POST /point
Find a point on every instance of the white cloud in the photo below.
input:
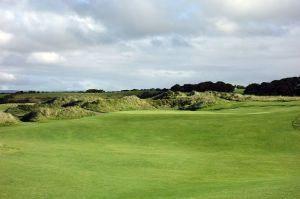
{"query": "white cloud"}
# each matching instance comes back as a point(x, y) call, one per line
point(150, 73)
point(45, 58)
point(85, 84)
point(87, 24)
point(5, 37)
point(6, 77)
point(226, 26)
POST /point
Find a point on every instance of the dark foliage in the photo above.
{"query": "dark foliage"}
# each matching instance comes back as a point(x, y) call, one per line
point(148, 94)
point(27, 117)
point(204, 86)
point(33, 92)
point(94, 91)
point(252, 89)
point(284, 87)
point(72, 103)
point(176, 87)
point(239, 86)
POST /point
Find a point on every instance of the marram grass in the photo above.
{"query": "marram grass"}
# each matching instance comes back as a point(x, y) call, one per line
point(7, 119)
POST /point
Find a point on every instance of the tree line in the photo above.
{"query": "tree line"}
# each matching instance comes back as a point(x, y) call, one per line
point(286, 87)
point(204, 86)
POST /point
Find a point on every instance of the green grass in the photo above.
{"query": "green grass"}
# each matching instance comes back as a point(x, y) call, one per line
point(241, 153)
point(3, 107)
point(2, 95)
point(239, 90)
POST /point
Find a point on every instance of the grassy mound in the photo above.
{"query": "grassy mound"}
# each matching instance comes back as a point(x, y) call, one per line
point(123, 104)
point(68, 101)
point(211, 99)
point(7, 119)
point(56, 108)
point(242, 98)
point(21, 110)
point(76, 106)
point(46, 113)
point(4, 107)
point(186, 101)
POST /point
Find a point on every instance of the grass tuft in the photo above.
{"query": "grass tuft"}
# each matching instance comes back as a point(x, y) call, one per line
point(7, 119)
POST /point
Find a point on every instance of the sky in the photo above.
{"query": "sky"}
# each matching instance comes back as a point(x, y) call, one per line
point(55, 45)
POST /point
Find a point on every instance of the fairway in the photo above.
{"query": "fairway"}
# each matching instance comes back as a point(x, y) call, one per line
point(240, 153)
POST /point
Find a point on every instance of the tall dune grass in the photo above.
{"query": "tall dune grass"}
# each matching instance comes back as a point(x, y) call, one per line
point(7, 119)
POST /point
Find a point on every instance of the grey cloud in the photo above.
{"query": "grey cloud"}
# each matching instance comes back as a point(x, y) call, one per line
point(121, 44)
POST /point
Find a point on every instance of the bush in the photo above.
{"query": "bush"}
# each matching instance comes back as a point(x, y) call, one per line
point(284, 87)
point(204, 86)
point(94, 91)
point(149, 94)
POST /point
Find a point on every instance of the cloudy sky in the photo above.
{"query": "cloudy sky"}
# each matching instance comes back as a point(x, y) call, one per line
point(122, 44)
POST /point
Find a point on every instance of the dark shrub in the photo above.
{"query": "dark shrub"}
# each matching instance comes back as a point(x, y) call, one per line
point(94, 91)
point(285, 87)
point(204, 86)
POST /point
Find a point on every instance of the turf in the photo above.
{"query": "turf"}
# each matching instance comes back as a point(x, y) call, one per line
point(242, 153)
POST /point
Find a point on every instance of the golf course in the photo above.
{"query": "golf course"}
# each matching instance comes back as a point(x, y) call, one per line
point(149, 99)
point(249, 150)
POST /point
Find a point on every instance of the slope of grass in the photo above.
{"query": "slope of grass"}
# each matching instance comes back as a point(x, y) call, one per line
point(240, 153)
point(122, 104)
point(7, 119)
point(239, 90)
point(44, 113)
point(3, 107)
point(3, 95)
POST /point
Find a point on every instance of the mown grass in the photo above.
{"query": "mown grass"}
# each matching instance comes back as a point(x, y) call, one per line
point(252, 104)
point(242, 153)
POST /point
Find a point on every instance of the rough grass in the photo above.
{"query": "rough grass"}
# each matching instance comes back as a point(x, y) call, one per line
point(186, 101)
point(3, 107)
point(296, 123)
point(45, 113)
point(73, 104)
point(43, 97)
point(7, 119)
point(20, 110)
point(242, 153)
point(122, 104)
